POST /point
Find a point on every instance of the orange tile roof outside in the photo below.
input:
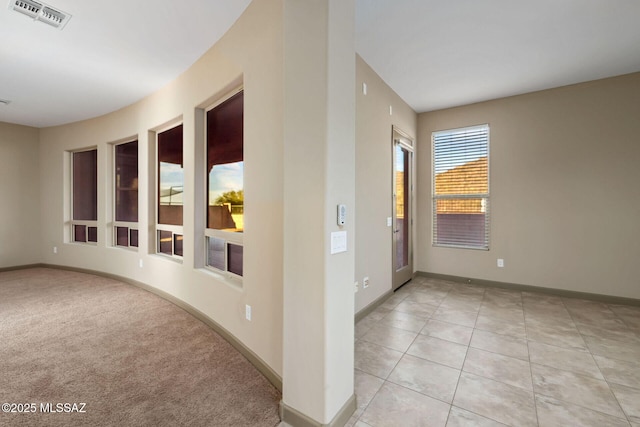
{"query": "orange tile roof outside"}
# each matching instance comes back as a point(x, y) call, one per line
point(469, 178)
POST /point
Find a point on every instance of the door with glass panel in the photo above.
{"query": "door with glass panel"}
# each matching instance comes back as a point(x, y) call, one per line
point(402, 221)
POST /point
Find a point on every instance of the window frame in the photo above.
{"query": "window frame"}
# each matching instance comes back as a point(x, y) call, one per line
point(175, 230)
point(129, 225)
point(87, 224)
point(484, 197)
point(229, 237)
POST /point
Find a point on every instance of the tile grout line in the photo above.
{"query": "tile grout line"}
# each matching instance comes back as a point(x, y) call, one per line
point(627, 416)
point(419, 287)
point(533, 386)
point(595, 361)
point(455, 391)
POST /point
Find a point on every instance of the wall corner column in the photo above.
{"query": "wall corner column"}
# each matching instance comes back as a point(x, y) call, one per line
point(319, 175)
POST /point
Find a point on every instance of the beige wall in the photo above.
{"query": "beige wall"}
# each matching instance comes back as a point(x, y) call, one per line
point(565, 189)
point(19, 196)
point(319, 155)
point(374, 179)
point(298, 155)
point(251, 54)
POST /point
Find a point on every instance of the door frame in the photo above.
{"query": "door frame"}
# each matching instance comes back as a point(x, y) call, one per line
point(404, 274)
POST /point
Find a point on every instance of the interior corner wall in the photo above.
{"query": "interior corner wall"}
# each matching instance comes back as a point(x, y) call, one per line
point(250, 53)
point(374, 178)
point(19, 195)
point(565, 193)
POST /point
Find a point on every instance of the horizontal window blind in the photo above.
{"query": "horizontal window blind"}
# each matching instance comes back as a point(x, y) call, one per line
point(461, 187)
point(84, 206)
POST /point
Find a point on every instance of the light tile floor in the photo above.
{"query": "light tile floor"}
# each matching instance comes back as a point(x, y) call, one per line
point(439, 353)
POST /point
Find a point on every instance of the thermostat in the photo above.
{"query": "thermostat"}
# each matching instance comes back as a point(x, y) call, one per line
point(342, 214)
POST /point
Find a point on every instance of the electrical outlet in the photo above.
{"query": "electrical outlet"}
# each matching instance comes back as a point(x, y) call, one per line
point(500, 262)
point(356, 287)
point(365, 283)
point(141, 263)
point(55, 249)
point(247, 312)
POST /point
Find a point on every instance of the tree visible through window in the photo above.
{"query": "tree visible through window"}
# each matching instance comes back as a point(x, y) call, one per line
point(170, 191)
point(461, 187)
point(225, 185)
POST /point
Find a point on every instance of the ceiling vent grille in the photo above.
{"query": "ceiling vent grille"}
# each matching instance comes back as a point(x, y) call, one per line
point(41, 12)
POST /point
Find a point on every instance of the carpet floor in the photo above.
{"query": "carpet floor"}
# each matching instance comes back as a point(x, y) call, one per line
point(130, 357)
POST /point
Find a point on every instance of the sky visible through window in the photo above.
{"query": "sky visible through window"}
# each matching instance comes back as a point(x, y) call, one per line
point(224, 178)
point(399, 159)
point(171, 183)
point(456, 148)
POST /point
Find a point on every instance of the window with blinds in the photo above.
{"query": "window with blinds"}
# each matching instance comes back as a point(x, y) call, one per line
point(170, 186)
point(84, 208)
point(125, 225)
point(461, 187)
point(224, 123)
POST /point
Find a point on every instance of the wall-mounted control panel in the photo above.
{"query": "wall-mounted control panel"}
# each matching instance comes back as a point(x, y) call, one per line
point(342, 214)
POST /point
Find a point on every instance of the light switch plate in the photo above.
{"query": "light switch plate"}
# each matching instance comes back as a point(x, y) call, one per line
point(338, 242)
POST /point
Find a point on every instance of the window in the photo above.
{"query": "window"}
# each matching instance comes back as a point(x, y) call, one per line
point(170, 192)
point(84, 184)
point(225, 185)
point(461, 187)
point(125, 227)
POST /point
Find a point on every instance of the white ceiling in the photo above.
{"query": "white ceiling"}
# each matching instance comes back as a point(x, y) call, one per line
point(433, 53)
point(443, 53)
point(110, 54)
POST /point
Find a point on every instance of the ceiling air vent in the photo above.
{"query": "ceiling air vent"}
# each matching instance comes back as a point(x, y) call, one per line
point(41, 12)
point(52, 16)
point(29, 8)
